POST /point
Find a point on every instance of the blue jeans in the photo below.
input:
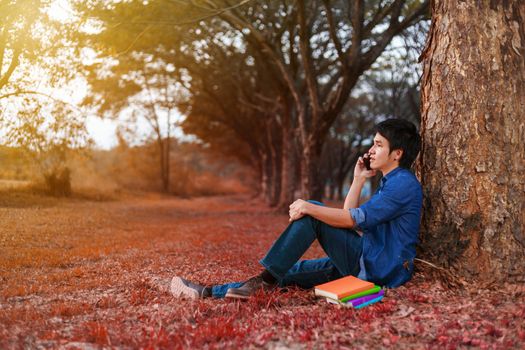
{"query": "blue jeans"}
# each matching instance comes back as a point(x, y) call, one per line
point(343, 247)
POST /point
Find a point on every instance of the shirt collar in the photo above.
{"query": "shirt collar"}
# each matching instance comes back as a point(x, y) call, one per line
point(390, 174)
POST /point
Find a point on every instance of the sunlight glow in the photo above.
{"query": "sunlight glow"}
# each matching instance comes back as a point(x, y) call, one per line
point(102, 131)
point(61, 10)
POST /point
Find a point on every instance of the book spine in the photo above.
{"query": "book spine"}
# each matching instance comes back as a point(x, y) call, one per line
point(366, 298)
point(374, 290)
point(370, 302)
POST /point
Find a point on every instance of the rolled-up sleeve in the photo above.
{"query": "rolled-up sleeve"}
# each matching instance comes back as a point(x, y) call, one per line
point(358, 215)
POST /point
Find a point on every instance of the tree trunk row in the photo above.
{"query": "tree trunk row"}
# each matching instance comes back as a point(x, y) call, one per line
point(285, 168)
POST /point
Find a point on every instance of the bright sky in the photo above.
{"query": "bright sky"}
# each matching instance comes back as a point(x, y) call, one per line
point(102, 132)
point(60, 10)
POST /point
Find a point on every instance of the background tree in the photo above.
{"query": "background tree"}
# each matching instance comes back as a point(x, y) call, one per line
point(224, 107)
point(312, 56)
point(137, 90)
point(332, 44)
point(472, 162)
point(229, 92)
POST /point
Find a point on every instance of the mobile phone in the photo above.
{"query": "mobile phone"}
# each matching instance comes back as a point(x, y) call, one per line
point(366, 160)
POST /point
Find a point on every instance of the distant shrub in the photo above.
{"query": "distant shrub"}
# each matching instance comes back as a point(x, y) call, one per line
point(59, 182)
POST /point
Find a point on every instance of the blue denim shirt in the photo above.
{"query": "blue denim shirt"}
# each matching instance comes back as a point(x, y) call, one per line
point(390, 225)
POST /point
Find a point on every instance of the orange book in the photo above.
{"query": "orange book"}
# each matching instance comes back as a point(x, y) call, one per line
point(342, 287)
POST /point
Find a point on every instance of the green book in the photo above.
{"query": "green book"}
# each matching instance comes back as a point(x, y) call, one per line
point(376, 289)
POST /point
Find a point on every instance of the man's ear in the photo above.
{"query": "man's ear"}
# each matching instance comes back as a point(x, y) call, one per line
point(398, 154)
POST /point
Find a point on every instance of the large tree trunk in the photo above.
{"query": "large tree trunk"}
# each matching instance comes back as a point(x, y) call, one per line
point(473, 158)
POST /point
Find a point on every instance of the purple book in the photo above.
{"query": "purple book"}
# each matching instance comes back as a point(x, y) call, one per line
point(358, 301)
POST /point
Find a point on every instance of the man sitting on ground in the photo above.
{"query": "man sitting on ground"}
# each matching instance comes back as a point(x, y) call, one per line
point(383, 254)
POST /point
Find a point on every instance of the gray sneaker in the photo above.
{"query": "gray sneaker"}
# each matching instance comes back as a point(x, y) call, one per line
point(181, 288)
point(250, 287)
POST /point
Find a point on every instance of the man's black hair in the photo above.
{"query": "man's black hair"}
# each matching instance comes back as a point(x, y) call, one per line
point(401, 134)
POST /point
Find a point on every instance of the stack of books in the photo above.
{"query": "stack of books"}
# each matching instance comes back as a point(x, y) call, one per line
point(350, 291)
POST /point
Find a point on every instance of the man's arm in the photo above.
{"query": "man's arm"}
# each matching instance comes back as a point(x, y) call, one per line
point(332, 216)
point(352, 198)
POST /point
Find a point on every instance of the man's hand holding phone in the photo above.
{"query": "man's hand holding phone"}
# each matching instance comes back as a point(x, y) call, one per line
point(362, 167)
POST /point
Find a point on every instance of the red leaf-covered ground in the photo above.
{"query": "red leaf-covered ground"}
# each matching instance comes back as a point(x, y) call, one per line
point(84, 274)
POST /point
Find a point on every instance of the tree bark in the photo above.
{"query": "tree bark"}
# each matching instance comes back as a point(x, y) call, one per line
point(264, 178)
point(167, 170)
point(276, 162)
point(473, 157)
point(163, 147)
point(288, 164)
point(268, 181)
point(311, 183)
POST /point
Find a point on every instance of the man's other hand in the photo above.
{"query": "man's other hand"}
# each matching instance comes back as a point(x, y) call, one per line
point(298, 209)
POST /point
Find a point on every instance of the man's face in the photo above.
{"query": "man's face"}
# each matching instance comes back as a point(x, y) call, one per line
point(380, 157)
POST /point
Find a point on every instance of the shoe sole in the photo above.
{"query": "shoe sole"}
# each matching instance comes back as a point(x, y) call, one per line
point(180, 290)
point(236, 296)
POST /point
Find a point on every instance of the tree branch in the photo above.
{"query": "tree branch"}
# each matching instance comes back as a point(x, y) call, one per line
point(333, 35)
point(394, 29)
point(15, 60)
point(357, 19)
point(265, 47)
point(306, 57)
point(32, 92)
point(378, 17)
point(2, 49)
